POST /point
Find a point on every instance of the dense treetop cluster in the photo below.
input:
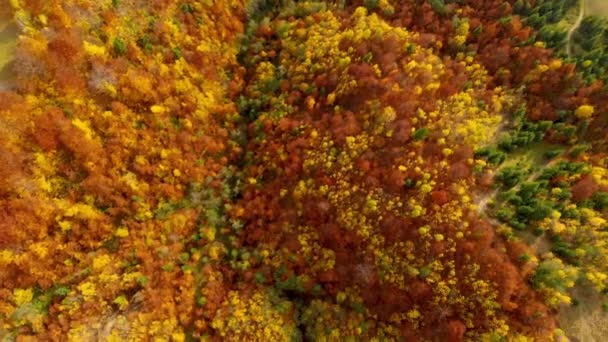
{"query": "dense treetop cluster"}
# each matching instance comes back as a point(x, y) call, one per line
point(301, 170)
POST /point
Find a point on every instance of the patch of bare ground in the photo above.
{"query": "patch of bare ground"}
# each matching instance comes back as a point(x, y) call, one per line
point(587, 321)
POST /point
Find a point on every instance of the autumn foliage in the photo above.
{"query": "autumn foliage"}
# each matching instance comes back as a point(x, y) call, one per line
point(277, 170)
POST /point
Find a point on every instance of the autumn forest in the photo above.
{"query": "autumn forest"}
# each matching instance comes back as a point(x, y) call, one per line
point(284, 170)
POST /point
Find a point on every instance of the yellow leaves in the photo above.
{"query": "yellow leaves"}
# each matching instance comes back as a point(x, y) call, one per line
point(39, 249)
point(45, 167)
point(447, 151)
point(331, 98)
point(413, 315)
point(158, 109)
point(300, 189)
point(314, 134)
point(463, 118)
point(555, 64)
point(23, 296)
point(84, 126)
point(141, 160)
point(558, 228)
point(417, 211)
point(178, 337)
point(130, 179)
point(600, 175)
point(553, 271)
point(87, 289)
point(121, 232)
point(65, 225)
point(94, 50)
point(216, 250)
point(584, 112)
point(426, 188)
point(593, 218)
point(371, 204)
point(542, 68)
point(310, 103)
point(360, 12)
point(121, 301)
point(100, 262)
point(598, 279)
point(389, 114)
point(183, 86)
point(251, 317)
point(209, 233)
point(6, 257)
point(340, 297)
point(556, 298)
point(463, 28)
point(82, 211)
point(45, 162)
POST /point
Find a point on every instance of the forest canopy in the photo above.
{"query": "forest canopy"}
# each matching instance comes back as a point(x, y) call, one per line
point(282, 170)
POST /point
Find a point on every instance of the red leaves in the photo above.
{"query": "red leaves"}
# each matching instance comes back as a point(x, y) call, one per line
point(328, 276)
point(420, 291)
point(459, 171)
point(440, 197)
point(344, 125)
point(397, 229)
point(584, 188)
point(454, 330)
point(394, 180)
point(290, 241)
point(331, 236)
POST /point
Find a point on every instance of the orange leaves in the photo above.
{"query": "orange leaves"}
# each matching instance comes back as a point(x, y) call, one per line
point(46, 131)
point(11, 170)
point(65, 48)
point(7, 227)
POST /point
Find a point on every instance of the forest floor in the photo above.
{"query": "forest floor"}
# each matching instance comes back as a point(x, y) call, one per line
point(586, 320)
point(597, 7)
point(8, 37)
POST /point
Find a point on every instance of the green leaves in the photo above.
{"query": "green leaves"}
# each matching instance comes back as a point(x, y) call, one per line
point(119, 46)
point(371, 4)
point(510, 176)
point(438, 6)
point(259, 278)
point(491, 154)
point(421, 134)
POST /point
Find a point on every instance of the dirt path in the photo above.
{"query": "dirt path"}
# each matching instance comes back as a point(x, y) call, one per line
point(581, 15)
